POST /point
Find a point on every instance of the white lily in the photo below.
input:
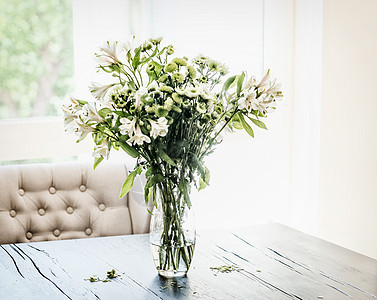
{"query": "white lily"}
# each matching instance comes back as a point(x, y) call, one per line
point(248, 100)
point(109, 54)
point(264, 82)
point(99, 91)
point(82, 129)
point(90, 113)
point(139, 95)
point(139, 138)
point(159, 128)
point(100, 150)
point(127, 127)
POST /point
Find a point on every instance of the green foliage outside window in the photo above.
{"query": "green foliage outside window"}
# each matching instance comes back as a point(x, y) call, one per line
point(36, 57)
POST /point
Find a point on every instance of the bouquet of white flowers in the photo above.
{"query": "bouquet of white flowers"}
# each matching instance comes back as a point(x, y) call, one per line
point(167, 112)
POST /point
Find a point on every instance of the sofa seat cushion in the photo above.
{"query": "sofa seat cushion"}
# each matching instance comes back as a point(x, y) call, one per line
point(41, 202)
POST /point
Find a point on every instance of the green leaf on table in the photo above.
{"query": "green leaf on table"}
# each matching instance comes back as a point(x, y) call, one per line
point(245, 125)
point(131, 151)
point(127, 185)
point(259, 123)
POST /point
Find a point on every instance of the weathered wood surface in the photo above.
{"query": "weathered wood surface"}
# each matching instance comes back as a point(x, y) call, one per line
point(276, 262)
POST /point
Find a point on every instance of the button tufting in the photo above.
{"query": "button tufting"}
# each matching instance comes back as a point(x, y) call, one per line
point(52, 190)
point(56, 232)
point(82, 188)
point(41, 211)
point(12, 213)
point(21, 192)
point(102, 207)
point(29, 235)
point(88, 231)
point(69, 210)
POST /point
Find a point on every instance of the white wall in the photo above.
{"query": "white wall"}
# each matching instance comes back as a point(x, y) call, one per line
point(348, 152)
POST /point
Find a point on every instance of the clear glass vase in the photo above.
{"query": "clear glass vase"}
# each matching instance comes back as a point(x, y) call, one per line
point(172, 232)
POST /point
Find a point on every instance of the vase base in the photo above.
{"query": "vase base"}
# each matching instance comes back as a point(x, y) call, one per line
point(171, 274)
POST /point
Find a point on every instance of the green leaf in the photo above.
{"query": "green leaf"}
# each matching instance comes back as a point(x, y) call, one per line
point(202, 184)
point(147, 194)
point(153, 74)
point(97, 161)
point(136, 60)
point(147, 59)
point(152, 181)
point(127, 185)
point(104, 112)
point(239, 83)
point(166, 157)
point(260, 124)
point(182, 185)
point(229, 82)
point(131, 151)
point(245, 125)
point(82, 102)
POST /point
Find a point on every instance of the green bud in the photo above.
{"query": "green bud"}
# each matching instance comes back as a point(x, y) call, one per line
point(206, 118)
point(177, 99)
point(168, 104)
point(161, 112)
point(186, 104)
point(121, 103)
point(179, 61)
point(150, 110)
point(178, 77)
point(163, 78)
point(170, 120)
point(191, 71)
point(176, 109)
point(170, 50)
point(171, 67)
point(166, 89)
point(201, 108)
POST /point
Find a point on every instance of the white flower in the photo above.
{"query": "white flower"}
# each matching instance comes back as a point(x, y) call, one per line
point(264, 82)
point(159, 128)
point(139, 95)
point(70, 113)
point(250, 83)
point(248, 100)
point(81, 129)
point(192, 92)
point(139, 138)
point(109, 54)
point(90, 114)
point(153, 86)
point(99, 91)
point(101, 150)
point(127, 127)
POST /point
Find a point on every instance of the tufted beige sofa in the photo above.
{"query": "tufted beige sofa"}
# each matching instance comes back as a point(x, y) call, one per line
point(40, 202)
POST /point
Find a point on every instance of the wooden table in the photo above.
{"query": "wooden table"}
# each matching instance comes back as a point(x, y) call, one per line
point(274, 262)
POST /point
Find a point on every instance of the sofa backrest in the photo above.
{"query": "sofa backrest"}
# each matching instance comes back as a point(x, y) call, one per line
point(40, 202)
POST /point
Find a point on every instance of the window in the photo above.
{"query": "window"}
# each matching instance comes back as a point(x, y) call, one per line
point(36, 57)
